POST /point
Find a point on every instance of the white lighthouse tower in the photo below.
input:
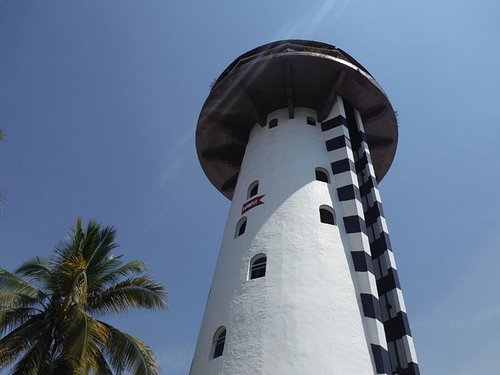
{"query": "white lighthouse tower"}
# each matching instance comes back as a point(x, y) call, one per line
point(298, 134)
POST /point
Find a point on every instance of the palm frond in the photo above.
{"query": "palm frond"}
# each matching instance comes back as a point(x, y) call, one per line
point(37, 360)
point(84, 338)
point(16, 292)
point(137, 292)
point(16, 316)
point(13, 299)
point(127, 353)
point(105, 266)
point(71, 244)
point(46, 309)
point(21, 339)
point(38, 269)
point(112, 271)
point(102, 366)
point(98, 244)
point(14, 283)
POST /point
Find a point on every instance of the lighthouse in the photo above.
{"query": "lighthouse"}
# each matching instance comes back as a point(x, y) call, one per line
point(298, 134)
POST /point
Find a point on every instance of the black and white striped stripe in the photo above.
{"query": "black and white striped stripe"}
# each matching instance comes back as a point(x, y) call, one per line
point(397, 330)
point(338, 143)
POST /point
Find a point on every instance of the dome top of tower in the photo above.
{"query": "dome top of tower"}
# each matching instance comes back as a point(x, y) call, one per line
point(288, 73)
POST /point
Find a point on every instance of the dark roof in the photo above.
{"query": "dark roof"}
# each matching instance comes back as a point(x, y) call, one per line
point(255, 84)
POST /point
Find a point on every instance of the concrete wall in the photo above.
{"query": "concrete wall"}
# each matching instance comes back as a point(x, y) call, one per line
point(303, 317)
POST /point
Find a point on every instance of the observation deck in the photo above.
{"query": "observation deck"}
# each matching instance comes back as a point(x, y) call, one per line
point(287, 74)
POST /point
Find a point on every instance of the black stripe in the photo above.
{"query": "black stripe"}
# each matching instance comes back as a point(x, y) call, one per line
point(337, 142)
point(381, 357)
point(362, 136)
point(348, 192)
point(412, 369)
point(366, 187)
point(343, 165)
point(372, 214)
point(397, 327)
point(371, 306)
point(362, 261)
point(388, 282)
point(352, 125)
point(361, 163)
point(354, 224)
point(333, 123)
point(380, 245)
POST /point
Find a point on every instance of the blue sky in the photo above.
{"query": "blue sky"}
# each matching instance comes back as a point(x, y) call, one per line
point(99, 101)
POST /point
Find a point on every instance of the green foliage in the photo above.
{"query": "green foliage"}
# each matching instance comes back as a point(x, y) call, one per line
point(48, 310)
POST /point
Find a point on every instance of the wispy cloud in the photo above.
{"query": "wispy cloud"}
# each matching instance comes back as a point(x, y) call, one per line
point(175, 157)
point(307, 26)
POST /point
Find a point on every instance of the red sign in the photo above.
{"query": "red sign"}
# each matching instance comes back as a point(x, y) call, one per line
point(254, 202)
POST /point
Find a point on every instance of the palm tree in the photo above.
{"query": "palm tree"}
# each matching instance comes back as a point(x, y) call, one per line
point(49, 309)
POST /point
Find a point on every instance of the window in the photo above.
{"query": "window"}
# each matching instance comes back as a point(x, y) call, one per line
point(258, 266)
point(218, 342)
point(311, 121)
point(322, 175)
point(253, 189)
point(273, 123)
point(241, 226)
point(327, 215)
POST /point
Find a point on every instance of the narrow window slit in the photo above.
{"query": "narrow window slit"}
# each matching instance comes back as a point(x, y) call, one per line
point(241, 226)
point(218, 342)
point(253, 189)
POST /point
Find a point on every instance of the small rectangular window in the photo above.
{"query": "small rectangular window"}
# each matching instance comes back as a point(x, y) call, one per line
point(326, 215)
point(321, 175)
